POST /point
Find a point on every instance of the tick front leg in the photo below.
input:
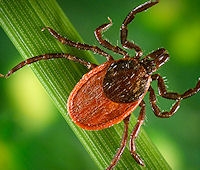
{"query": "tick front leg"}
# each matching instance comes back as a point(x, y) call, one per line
point(105, 43)
point(78, 45)
point(124, 30)
point(135, 132)
point(169, 95)
point(122, 146)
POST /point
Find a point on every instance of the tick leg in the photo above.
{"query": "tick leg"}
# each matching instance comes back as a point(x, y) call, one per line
point(124, 30)
point(169, 95)
point(47, 57)
point(105, 43)
point(122, 146)
point(156, 109)
point(135, 132)
point(78, 45)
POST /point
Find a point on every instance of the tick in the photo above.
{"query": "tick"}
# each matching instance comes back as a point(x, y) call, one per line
point(110, 92)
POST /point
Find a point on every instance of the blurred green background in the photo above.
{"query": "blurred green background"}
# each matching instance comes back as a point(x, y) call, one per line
point(33, 134)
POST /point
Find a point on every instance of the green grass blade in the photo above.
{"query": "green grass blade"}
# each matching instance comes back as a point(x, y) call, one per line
point(22, 21)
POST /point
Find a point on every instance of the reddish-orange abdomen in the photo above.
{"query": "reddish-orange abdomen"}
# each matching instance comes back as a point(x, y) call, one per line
point(88, 106)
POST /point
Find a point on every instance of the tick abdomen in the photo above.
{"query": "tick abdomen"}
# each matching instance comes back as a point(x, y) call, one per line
point(125, 81)
point(89, 107)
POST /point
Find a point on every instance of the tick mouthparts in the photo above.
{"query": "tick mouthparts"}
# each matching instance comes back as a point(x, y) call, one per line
point(161, 59)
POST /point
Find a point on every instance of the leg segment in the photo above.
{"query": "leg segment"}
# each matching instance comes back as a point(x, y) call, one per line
point(47, 57)
point(123, 144)
point(78, 45)
point(169, 95)
point(135, 132)
point(156, 109)
point(124, 30)
point(106, 44)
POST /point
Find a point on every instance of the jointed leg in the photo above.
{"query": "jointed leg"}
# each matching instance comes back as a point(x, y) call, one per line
point(123, 144)
point(135, 132)
point(78, 45)
point(106, 44)
point(169, 95)
point(47, 57)
point(124, 30)
point(156, 109)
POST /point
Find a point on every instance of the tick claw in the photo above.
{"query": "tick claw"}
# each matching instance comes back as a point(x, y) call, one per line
point(198, 85)
point(44, 28)
point(137, 158)
point(110, 20)
point(1, 75)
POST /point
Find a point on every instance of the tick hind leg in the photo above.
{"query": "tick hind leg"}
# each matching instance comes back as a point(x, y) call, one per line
point(169, 95)
point(48, 57)
point(122, 146)
point(133, 137)
point(135, 132)
point(124, 30)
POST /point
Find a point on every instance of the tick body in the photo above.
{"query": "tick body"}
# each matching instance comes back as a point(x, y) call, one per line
point(107, 93)
point(110, 92)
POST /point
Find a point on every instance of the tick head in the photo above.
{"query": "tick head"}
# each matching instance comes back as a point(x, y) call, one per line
point(155, 60)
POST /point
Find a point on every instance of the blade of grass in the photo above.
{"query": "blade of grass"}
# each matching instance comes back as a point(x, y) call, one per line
point(22, 21)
